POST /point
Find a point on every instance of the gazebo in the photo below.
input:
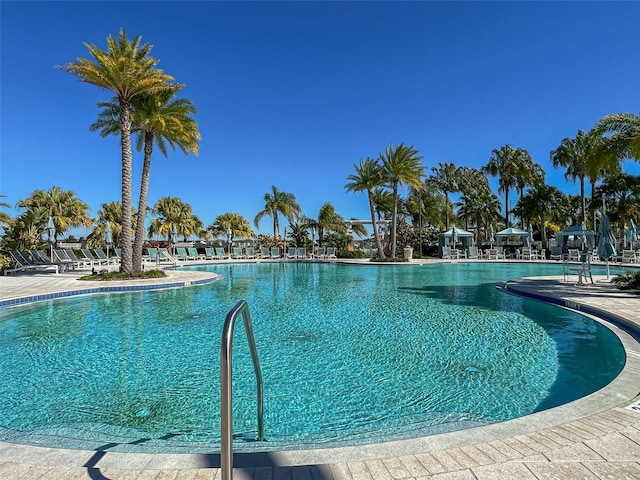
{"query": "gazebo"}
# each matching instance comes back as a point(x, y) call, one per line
point(580, 233)
point(503, 235)
point(453, 236)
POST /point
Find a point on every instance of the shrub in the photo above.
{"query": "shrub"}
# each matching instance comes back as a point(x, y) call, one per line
point(628, 282)
point(101, 277)
point(5, 261)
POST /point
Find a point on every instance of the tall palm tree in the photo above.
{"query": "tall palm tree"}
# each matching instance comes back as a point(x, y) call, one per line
point(66, 210)
point(110, 213)
point(528, 173)
point(446, 177)
point(368, 176)
point(540, 204)
point(329, 221)
point(625, 128)
point(575, 154)
point(278, 203)
point(504, 163)
point(127, 70)
point(156, 118)
point(401, 166)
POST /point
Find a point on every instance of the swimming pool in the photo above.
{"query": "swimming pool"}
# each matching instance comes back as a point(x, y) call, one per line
point(350, 354)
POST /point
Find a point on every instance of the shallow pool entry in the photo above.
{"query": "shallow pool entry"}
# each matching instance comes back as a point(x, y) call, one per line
point(349, 354)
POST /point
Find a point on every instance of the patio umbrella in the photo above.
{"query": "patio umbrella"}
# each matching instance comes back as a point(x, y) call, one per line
point(631, 234)
point(529, 238)
point(454, 236)
point(51, 231)
point(492, 238)
point(607, 242)
point(108, 237)
point(174, 239)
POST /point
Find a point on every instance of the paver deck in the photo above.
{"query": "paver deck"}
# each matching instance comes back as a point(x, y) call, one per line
point(597, 437)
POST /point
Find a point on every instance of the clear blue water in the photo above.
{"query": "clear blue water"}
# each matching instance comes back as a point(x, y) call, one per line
point(349, 355)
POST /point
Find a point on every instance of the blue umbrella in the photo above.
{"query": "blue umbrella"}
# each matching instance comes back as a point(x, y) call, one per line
point(607, 242)
point(108, 237)
point(631, 234)
point(51, 232)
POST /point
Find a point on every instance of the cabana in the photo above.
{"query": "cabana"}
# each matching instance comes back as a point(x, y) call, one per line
point(580, 233)
point(453, 236)
point(503, 235)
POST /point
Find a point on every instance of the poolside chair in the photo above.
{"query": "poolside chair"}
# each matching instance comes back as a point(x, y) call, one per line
point(103, 256)
point(574, 255)
point(165, 256)
point(628, 256)
point(24, 264)
point(527, 253)
point(331, 253)
point(193, 254)
point(495, 254)
point(92, 258)
point(81, 262)
point(301, 253)
point(556, 253)
point(472, 252)
point(249, 252)
point(320, 253)
point(152, 255)
point(181, 254)
point(221, 253)
point(63, 257)
point(275, 252)
point(209, 253)
point(264, 252)
point(446, 252)
point(118, 252)
point(237, 252)
point(291, 253)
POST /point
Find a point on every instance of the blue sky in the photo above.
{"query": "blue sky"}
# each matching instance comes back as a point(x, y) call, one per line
point(293, 94)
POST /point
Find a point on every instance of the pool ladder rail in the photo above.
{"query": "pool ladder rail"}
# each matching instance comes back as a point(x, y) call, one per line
point(226, 414)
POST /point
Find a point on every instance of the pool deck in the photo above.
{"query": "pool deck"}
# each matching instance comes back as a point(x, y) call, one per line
point(597, 437)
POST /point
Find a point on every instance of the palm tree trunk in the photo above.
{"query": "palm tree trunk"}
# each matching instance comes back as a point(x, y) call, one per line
point(394, 220)
point(506, 207)
point(375, 226)
point(138, 242)
point(126, 264)
point(584, 203)
point(446, 210)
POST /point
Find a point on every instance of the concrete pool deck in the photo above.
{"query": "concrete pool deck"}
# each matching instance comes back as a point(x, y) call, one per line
point(597, 437)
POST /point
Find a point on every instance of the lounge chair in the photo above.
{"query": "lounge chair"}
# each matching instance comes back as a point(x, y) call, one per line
point(446, 252)
point(209, 253)
point(24, 264)
point(103, 256)
point(249, 252)
point(88, 256)
point(63, 257)
point(291, 253)
point(264, 252)
point(81, 262)
point(331, 253)
point(301, 253)
point(528, 253)
point(495, 254)
point(193, 254)
point(556, 253)
point(181, 254)
point(152, 255)
point(221, 254)
point(628, 256)
point(320, 253)
point(237, 253)
point(574, 255)
point(39, 257)
point(472, 252)
point(275, 252)
point(165, 256)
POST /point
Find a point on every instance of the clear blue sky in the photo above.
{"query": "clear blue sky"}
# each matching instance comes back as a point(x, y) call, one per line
point(293, 94)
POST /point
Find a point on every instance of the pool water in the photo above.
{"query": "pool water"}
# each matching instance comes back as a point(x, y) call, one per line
point(349, 355)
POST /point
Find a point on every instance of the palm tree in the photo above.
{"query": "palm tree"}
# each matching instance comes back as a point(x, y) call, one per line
point(540, 204)
point(237, 223)
point(528, 173)
point(276, 203)
point(367, 178)
point(127, 70)
point(625, 128)
point(110, 213)
point(66, 210)
point(576, 154)
point(446, 177)
point(504, 163)
point(156, 118)
point(401, 166)
point(480, 206)
point(5, 217)
point(171, 212)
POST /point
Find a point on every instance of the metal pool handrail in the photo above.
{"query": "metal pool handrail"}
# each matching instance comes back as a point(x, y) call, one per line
point(226, 414)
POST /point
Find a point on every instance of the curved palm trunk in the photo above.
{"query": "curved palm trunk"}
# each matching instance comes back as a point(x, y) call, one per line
point(276, 227)
point(446, 210)
point(138, 242)
point(394, 221)
point(506, 207)
point(375, 225)
point(126, 264)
